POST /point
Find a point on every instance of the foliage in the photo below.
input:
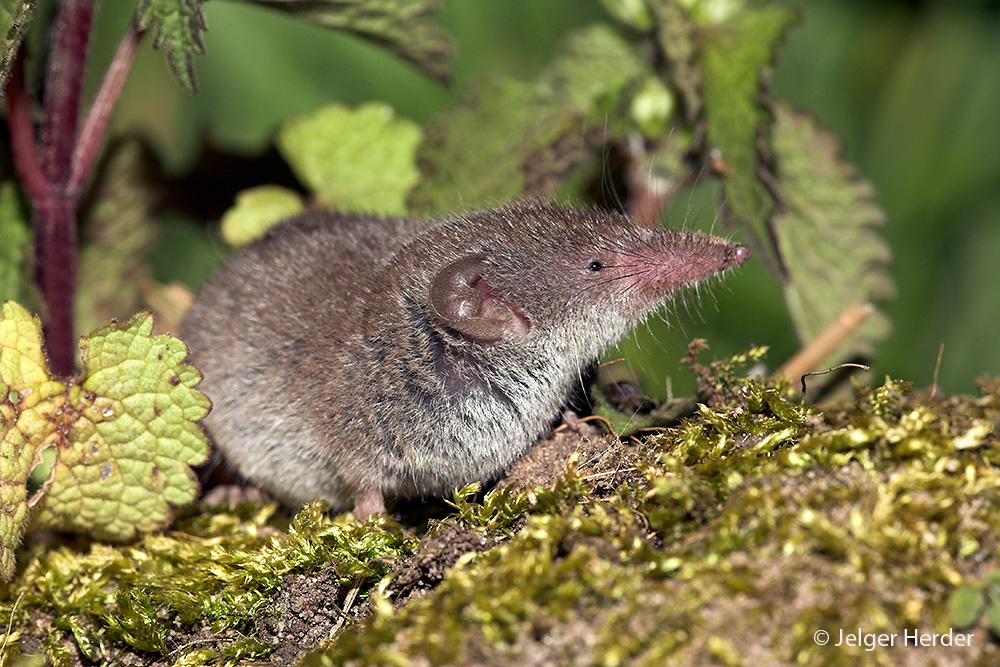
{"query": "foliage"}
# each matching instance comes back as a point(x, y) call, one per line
point(123, 433)
point(359, 160)
point(177, 27)
point(780, 179)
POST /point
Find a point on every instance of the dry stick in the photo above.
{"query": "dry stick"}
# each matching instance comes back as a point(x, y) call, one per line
point(848, 364)
point(348, 603)
point(826, 342)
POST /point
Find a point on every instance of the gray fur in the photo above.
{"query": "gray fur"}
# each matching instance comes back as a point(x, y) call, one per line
point(332, 376)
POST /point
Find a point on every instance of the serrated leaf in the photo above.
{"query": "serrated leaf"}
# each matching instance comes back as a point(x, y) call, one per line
point(15, 16)
point(15, 243)
point(123, 433)
point(474, 154)
point(401, 26)
point(26, 421)
point(825, 231)
point(356, 160)
point(733, 55)
point(132, 435)
point(965, 605)
point(593, 68)
point(256, 211)
point(177, 26)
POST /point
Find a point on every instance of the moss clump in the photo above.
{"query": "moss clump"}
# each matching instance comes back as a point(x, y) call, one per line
point(194, 595)
point(758, 523)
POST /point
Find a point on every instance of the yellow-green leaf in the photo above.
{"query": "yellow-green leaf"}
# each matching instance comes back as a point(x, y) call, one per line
point(256, 210)
point(131, 435)
point(360, 160)
point(123, 433)
point(29, 400)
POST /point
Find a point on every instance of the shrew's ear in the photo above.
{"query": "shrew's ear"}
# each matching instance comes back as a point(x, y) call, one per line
point(466, 303)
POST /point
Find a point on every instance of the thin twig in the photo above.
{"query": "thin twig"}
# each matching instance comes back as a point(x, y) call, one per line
point(848, 364)
point(348, 603)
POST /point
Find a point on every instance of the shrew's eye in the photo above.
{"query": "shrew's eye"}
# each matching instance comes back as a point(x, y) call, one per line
point(594, 266)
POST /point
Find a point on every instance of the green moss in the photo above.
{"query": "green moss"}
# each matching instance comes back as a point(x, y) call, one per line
point(757, 524)
point(214, 571)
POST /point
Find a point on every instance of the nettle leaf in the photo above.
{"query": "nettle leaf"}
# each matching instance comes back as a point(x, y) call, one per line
point(177, 26)
point(359, 160)
point(511, 138)
point(15, 243)
point(592, 70)
point(15, 16)
point(29, 401)
point(733, 55)
point(258, 209)
point(825, 231)
point(474, 154)
point(401, 26)
point(123, 434)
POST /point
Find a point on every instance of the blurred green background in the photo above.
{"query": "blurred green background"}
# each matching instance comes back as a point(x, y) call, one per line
point(913, 89)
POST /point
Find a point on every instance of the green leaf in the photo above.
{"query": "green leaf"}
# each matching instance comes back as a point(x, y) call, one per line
point(676, 37)
point(132, 435)
point(965, 605)
point(15, 243)
point(256, 210)
point(27, 421)
point(177, 26)
point(15, 16)
point(825, 232)
point(474, 155)
point(593, 69)
point(359, 160)
point(733, 56)
point(123, 433)
point(401, 26)
point(633, 13)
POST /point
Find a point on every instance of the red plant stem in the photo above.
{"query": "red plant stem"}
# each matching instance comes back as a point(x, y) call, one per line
point(22, 136)
point(55, 276)
point(99, 114)
point(63, 86)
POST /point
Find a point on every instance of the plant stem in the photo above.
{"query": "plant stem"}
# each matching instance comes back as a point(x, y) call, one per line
point(22, 136)
point(63, 85)
point(54, 173)
point(99, 114)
